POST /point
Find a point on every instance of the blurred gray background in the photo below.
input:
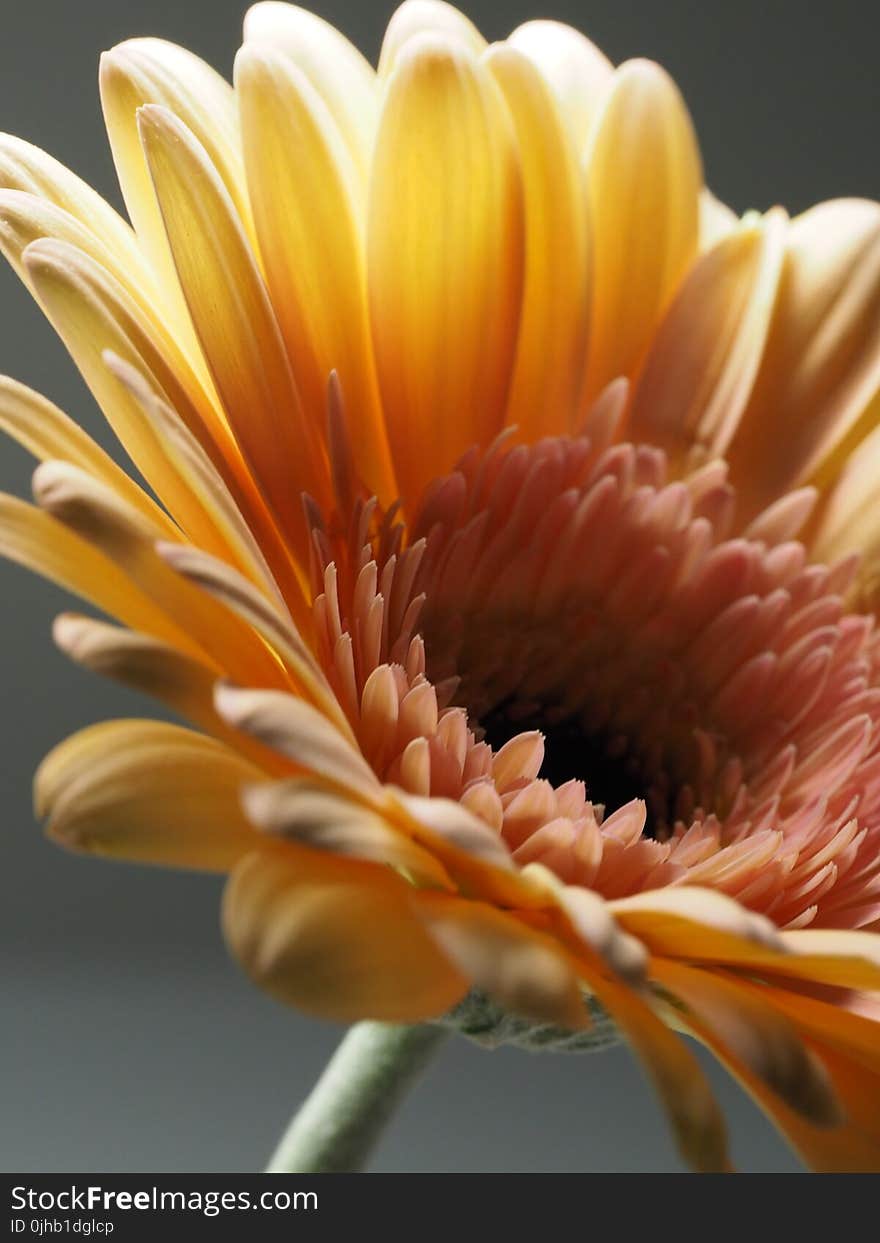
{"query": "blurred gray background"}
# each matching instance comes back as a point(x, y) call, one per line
point(129, 1041)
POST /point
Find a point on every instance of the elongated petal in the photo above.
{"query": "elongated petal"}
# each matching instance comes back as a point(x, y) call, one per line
point(643, 181)
point(303, 811)
point(336, 69)
point(41, 543)
point(552, 333)
point(154, 71)
point(233, 317)
point(94, 513)
point(302, 184)
point(717, 220)
point(174, 677)
point(148, 792)
point(48, 433)
point(336, 937)
point(426, 17)
point(756, 1037)
point(522, 970)
point(821, 366)
point(92, 314)
point(444, 249)
point(700, 369)
point(576, 71)
point(683, 1089)
point(238, 595)
point(299, 732)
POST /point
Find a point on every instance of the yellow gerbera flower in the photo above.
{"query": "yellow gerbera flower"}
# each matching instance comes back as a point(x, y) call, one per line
point(514, 552)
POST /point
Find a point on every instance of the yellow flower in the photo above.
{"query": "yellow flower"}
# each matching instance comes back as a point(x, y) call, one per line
point(514, 551)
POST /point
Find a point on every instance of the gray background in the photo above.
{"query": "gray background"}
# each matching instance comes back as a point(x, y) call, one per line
point(129, 1041)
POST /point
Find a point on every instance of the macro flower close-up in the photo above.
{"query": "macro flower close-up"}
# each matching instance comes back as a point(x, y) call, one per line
point(498, 534)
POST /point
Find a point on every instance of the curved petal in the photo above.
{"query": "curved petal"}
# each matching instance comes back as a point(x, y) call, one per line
point(444, 250)
point(643, 181)
point(426, 17)
point(48, 433)
point(700, 369)
point(552, 333)
point(821, 365)
point(301, 181)
point(147, 792)
point(336, 937)
point(234, 318)
point(336, 69)
point(575, 70)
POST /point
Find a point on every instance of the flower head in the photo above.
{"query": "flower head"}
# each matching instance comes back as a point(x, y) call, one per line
point(512, 553)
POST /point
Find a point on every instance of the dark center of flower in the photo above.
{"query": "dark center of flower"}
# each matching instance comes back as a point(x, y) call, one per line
point(610, 770)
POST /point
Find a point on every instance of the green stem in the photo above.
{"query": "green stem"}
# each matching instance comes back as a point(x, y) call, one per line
point(341, 1121)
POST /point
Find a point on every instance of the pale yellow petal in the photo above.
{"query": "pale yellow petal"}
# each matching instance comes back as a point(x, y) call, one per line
point(717, 220)
point(643, 182)
point(553, 328)
point(92, 314)
point(48, 433)
point(821, 366)
point(233, 318)
point(343, 78)
point(523, 970)
point(304, 811)
point(336, 937)
point(576, 71)
point(44, 545)
point(683, 1089)
point(310, 231)
point(101, 517)
point(700, 369)
point(149, 793)
point(426, 17)
point(444, 246)
point(154, 71)
point(181, 681)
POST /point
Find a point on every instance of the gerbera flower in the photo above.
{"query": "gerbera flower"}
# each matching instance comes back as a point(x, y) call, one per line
point(510, 546)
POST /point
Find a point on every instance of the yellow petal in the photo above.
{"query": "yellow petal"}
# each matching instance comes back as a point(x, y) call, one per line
point(576, 71)
point(700, 369)
point(821, 365)
point(523, 970)
point(278, 630)
point(302, 184)
point(26, 168)
point(40, 542)
point(426, 17)
point(147, 792)
point(233, 318)
point(717, 220)
point(154, 71)
point(92, 314)
point(756, 1036)
point(552, 332)
point(176, 678)
point(684, 1091)
point(336, 69)
point(643, 181)
point(444, 249)
point(99, 516)
point(304, 811)
point(47, 433)
point(336, 938)
point(301, 733)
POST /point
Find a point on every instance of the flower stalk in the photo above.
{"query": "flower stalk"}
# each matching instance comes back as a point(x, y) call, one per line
point(340, 1123)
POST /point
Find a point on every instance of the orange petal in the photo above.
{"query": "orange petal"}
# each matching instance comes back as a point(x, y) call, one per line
point(552, 332)
point(147, 792)
point(444, 258)
point(822, 361)
point(643, 181)
point(336, 938)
